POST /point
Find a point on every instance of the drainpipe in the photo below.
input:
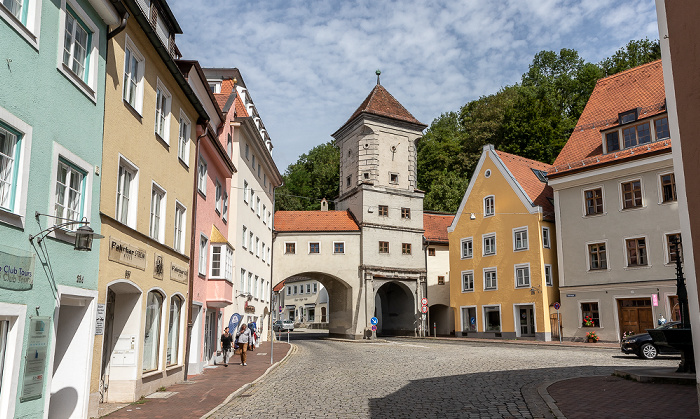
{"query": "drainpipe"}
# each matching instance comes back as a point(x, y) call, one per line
point(424, 285)
point(119, 28)
point(190, 287)
point(272, 280)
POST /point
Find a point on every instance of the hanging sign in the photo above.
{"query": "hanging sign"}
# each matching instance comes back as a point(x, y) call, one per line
point(655, 300)
point(35, 358)
point(233, 323)
point(16, 269)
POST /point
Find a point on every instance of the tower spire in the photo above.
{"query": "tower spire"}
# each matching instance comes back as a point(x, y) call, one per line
point(378, 72)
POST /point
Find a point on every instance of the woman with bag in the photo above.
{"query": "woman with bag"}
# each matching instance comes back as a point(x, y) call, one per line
point(243, 338)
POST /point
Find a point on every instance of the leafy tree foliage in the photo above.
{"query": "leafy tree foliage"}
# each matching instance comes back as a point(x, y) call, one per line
point(635, 53)
point(313, 177)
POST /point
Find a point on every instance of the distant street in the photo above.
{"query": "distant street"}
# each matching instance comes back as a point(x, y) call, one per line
point(412, 378)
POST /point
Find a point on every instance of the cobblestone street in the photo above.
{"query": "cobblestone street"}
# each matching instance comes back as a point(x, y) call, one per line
point(415, 378)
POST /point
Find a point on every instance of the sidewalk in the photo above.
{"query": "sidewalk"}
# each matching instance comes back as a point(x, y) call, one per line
point(597, 345)
point(206, 391)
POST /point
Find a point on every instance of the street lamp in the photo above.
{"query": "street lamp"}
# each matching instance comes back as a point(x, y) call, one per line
point(83, 234)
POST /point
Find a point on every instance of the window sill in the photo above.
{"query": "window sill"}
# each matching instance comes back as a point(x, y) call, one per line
point(10, 218)
point(341, 254)
point(636, 267)
point(467, 291)
point(488, 254)
point(80, 84)
point(150, 373)
point(173, 367)
point(523, 287)
point(183, 162)
point(669, 202)
point(641, 207)
point(490, 289)
point(595, 271)
point(18, 26)
point(602, 214)
point(163, 140)
point(521, 250)
point(133, 110)
point(464, 257)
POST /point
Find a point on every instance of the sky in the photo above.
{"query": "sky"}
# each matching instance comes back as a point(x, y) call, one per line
point(309, 64)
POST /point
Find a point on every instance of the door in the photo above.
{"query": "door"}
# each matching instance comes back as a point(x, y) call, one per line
point(210, 335)
point(527, 321)
point(635, 315)
point(107, 343)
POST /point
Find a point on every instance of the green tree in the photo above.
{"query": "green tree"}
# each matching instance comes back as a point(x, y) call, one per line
point(635, 53)
point(313, 177)
point(446, 192)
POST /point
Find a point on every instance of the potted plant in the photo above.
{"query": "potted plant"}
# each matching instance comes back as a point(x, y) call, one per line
point(588, 321)
point(592, 337)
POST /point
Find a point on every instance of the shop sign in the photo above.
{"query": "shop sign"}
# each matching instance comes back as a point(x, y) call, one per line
point(126, 254)
point(100, 319)
point(16, 269)
point(35, 358)
point(158, 266)
point(178, 273)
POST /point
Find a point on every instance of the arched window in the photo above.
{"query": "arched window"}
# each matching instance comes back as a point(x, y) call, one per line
point(172, 354)
point(229, 147)
point(151, 341)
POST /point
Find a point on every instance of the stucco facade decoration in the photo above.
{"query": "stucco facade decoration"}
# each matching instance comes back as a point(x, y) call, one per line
point(249, 146)
point(152, 120)
point(617, 209)
point(51, 158)
point(436, 249)
point(303, 301)
point(378, 192)
point(503, 258)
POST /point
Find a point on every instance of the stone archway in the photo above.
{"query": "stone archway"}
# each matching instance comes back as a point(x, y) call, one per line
point(441, 320)
point(395, 307)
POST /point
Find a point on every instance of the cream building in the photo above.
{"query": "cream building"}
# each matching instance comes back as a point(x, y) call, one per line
point(303, 301)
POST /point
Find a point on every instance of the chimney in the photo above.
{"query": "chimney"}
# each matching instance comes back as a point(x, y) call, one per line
point(324, 205)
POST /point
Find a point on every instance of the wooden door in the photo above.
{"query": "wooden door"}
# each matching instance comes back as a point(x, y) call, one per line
point(635, 315)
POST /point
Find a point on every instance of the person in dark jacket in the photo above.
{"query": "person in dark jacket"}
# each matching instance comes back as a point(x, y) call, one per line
point(226, 341)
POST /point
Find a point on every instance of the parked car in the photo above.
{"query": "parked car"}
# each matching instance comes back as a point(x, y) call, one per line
point(643, 346)
point(282, 325)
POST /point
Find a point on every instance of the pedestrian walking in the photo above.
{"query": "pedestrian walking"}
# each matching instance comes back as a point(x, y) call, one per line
point(226, 341)
point(244, 338)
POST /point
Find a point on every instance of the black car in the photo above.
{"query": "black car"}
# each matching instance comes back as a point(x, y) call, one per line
point(643, 346)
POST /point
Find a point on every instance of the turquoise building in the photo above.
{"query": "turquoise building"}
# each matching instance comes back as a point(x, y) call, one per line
point(52, 82)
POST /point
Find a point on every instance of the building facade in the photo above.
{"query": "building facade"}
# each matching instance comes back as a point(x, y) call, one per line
point(617, 210)
point(51, 125)
point(152, 115)
point(503, 256)
point(440, 319)
point(303, 301)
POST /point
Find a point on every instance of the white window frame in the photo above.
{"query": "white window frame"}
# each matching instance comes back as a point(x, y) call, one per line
point(483, 244)
point(252, 199)
point(461, 317)
point(309, 247)
point(289, 290)
point(264, 214)
point(664, 240)
point(180, 331)
point(315, 288)
point(250, 242)
point(490, 269)
point(242, 281)
point(133, 192)
point(464, 273)
point(621, 197)
point(155, 187)
point(224, 204)
point(202, 176)
point(647, 247)
point(518, 267)
point(62, 153)
point(179, 246)
point(87, 85)
point(257, 206)
point(584, 214)
point(16, 314)
point(245, 191)
point(203, 253)
point(29, 26)
point(661, 188)
point(548, 275)
point(500, 318)
point(217, 196)
point(486, 206)
point(15, 214)
point(337, 253)
point(257, 246)
point(262, 245)
point(225, 261)
point(461, 248)
point(161, 337)
point(184, 139)
point(546, 238)
point(244, 242)
point(268, 255)
point(607, 255)
point(140, 69)
point(166, 112)
point(520, 230)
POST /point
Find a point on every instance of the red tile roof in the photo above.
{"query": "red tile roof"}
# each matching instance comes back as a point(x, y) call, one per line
point(292, 221)
point(226, 87)
point(381, 102)
point(435, 226)
point(278, 287)
point(522, 170)
point(640, 87)
point(221, 99)
point(241, 111)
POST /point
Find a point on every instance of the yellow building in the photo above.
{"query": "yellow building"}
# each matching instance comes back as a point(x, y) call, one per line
point(146, 206)
point(503, 280)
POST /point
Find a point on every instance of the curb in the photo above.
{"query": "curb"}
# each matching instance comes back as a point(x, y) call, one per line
point(292, 350)
point(509, 342)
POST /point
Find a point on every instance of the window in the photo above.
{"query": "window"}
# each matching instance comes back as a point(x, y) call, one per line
point(162, 31)
point(467, 281)
point(545, 238)
point(295, 290)
point(289, 290)
point(338, 248)
point(224, 204)
point(631, 194)
point(308, 288)
point(594, 201)
point(221, 261)
point(257, 246)
point(249, 290)
point(162, 125)
point(10, 146)
point(406, 213)
point(252, 199)
point(203, 241)
point(431, 251)
point(467, 248)
point(179, 241)
point(522, 276)
point(489, 244)
point(256, 287)
point(492, 317)
point(315, 287)
point(520, 239)
point(636, 252)
point(216, 259)
point(245, 237)
point(76, 45)
point(202, 176)
point(613, 141)
point(151, 341)
point(183, 148)
point(489, 206)
point(490, 279)
point(589, 315)
point(172, 355)
point(597, 256)
point(250, 242)
point(242, 284)
point(314, 247)
point(668, 187)
point(253, 165)
point(214, 86)
point(247, 152)
point(258, 170)
point(264, 212)
point(126, 197)
point(134, 64)
point(627, 117)
point(383, 247)
point(229, 147)
point(290, 248)
point(548, 280)
point(636, 135)
point(4, 329)
point(394, 178)
point(672, 247)
point(405, 248)
point(157, 204)
point(217, 194)
point(23, 16)
point(383, 210)
point(257, 206)
point(262, 245)
point(662, 131)
point(70, 190)
point(245, 191)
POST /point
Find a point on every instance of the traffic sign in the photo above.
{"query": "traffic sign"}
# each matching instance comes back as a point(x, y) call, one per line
point(374, 321)
point(424, 301)
point(557, 306)
point(424, 309)
point(280, 309)
point(374, 328)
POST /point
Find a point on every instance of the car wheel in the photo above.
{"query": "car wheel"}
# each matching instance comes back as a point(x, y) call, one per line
point(648, 351)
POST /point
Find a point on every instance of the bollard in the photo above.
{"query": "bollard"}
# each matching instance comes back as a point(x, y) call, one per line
point(287, 335)
point(435, 329)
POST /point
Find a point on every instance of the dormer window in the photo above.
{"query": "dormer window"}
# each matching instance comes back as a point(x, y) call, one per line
point(633, 135)
point(627, 117)
point(636, 135)
point(215, 86)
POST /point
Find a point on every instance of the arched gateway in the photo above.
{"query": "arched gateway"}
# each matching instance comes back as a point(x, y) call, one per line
point(368, 253)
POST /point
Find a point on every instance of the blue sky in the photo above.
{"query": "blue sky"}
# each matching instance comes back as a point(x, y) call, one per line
point(309, 64)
